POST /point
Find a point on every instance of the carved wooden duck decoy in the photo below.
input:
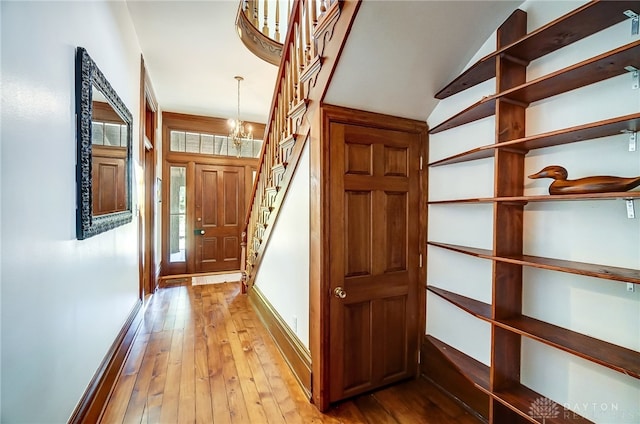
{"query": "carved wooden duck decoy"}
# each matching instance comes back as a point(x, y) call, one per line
point(595, 184)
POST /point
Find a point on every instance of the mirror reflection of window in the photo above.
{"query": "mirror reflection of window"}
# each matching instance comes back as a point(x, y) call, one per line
point(109, 156)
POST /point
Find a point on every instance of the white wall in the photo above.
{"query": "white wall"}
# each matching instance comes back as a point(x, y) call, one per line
point(63, 300)
point(283, 275)
point(589, 231)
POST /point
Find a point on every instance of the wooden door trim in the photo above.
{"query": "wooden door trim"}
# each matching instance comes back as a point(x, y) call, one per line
point(203, 124)
point(147, 268)
point(319, 272)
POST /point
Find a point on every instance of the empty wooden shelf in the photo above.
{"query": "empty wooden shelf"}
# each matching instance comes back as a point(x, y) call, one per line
point(623, 275)
point(575, 25)
point(590, 71)
point(590, 131)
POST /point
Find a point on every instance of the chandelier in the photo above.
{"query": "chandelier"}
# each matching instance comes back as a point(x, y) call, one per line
point(238, 134)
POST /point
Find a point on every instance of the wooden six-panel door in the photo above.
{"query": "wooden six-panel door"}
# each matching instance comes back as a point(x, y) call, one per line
point(374, 257)
point(218, 217)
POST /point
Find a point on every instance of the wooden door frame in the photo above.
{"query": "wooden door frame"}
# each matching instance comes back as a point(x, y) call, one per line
point(319, 261)
point(201, 124)
point(148, 129)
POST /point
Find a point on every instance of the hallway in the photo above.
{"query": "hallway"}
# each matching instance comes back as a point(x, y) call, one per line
point(202, 355)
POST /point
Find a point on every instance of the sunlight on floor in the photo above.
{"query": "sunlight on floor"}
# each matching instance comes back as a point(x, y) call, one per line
point(227, 277)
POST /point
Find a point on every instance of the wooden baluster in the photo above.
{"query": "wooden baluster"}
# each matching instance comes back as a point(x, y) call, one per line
point(243, 260)
point(296, 64)
point(274, 132)
point(276, 34)
point(287, 87)
point(323, 7)
point(276, 143)
point(305, 17)
point(265, 27)
point(314, 23)
point(280, 120)
point(271, 157)
point(267, 161)
point(278, 117)
point(289, 98)
point(282, 114)
point(255, 19)
point(276, 123)
point(314, 13)
point(300, 52)
point(283, 99)
point(258, 196)
point(294, 71)
point(272, 152)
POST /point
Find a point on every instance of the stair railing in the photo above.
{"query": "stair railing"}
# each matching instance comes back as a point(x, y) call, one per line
point(259, 22)
point(310, 21)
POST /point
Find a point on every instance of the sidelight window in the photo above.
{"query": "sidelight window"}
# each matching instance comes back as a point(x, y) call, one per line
point(178, 214)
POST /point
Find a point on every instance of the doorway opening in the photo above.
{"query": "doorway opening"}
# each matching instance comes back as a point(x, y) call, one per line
point(207, 189)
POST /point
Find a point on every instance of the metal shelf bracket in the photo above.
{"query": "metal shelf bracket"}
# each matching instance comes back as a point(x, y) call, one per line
point(631, 213)
point(635, 21)
point(635, 76)
point(633, 139)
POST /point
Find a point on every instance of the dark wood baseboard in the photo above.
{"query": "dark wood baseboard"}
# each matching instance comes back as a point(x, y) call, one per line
point(92, 403)
point(295, 353)
point(435, 367)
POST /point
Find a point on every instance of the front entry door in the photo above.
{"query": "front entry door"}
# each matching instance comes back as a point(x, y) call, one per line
point(218, 217)
point(374, 257)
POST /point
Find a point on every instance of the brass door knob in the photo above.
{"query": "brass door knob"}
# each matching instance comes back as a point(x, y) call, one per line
point(339, 293)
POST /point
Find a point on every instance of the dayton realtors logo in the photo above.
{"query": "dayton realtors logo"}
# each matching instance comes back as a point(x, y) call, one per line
point(544, 408)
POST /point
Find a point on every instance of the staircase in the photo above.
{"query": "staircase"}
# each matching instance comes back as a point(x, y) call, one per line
point(316, 34)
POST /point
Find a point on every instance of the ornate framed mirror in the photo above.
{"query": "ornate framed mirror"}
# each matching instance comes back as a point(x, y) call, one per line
point(103, 161)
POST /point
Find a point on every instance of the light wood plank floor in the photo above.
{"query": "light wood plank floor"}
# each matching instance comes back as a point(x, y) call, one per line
point(203, 356)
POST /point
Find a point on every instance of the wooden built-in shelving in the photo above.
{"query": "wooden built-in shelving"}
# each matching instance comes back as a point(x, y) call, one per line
point(508, 399)
point(518, 398)
point(590, 131)
point(616, 357)
point(474, 307)
point(626, 275)
point(578, 24)
point(590, 71)
point(475, 371)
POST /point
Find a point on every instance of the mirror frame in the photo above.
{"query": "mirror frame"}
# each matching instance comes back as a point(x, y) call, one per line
point(89, 75)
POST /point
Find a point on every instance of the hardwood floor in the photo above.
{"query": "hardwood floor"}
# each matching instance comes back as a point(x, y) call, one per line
point(203, 356)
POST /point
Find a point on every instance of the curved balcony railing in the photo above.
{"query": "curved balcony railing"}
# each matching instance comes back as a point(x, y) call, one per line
point(261, 24)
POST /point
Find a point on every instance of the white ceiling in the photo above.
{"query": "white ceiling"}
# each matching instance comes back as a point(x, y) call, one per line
point(398, 55)
point(192, 52)
point(401, 53)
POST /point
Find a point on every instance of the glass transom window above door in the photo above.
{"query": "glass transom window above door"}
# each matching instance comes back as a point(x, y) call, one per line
point(211, 144)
